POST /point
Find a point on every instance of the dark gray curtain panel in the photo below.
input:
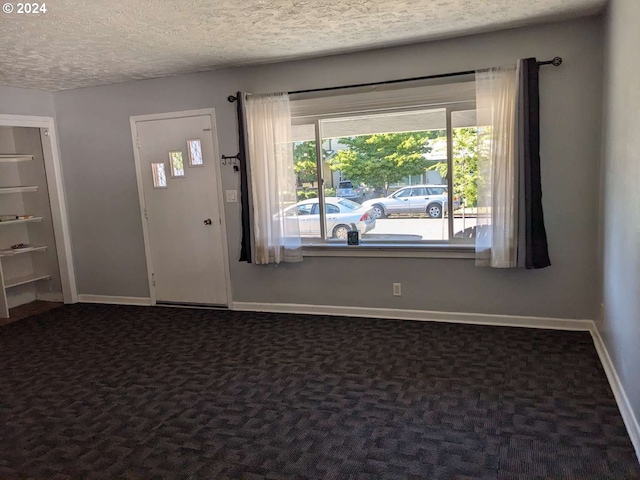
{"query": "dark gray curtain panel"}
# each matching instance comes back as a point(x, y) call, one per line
point(245, 250)
point(533, 250)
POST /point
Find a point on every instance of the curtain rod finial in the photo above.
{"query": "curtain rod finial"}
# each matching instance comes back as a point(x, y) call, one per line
point(556, 62)
point(232, 99)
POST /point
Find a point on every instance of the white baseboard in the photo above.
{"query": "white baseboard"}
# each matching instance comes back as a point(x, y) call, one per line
point(421, 315)
point(114, 300)
point(629, 418)
point(50, 297)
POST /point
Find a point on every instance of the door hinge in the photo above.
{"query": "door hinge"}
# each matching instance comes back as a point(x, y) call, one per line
point(153, 279)
point(137, 141)
point(220, 220)
point(145, 214)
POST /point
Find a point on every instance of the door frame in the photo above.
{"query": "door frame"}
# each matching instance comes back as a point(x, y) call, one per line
point(218, 171)
point(57, 198)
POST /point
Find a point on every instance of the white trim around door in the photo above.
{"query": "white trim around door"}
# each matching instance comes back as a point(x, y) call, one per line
point(218, 170)
point(57, 198)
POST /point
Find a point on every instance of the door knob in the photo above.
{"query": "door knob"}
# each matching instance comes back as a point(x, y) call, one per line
point(207, 221)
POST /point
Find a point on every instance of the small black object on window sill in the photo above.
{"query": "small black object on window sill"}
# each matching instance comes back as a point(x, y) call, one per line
point(353, 238)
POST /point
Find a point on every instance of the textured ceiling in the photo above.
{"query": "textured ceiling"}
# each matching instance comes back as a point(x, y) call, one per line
point(94, 42)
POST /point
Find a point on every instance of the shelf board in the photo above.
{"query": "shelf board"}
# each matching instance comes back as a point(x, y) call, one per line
point(12, 158)
point(20, 251)
point(18, 189)
point(24, 220)
point(15, 282)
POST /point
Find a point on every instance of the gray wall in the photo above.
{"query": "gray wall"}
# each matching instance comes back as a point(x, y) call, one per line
point(620, 327)
point(20, 101)
point(99, 172)
point(105, 221)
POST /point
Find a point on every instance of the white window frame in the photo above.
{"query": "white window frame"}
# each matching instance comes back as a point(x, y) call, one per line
point(314, 111)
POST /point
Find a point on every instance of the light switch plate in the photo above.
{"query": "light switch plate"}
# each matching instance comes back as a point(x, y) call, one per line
point(232, 195)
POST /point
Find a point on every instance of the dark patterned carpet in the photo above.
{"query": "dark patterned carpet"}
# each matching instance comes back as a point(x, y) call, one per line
point(92, 391)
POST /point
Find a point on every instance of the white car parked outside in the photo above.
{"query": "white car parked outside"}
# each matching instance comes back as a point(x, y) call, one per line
point(429, 199)
point(343, 215)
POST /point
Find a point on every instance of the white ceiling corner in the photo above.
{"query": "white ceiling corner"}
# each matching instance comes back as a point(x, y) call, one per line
point(95, 42)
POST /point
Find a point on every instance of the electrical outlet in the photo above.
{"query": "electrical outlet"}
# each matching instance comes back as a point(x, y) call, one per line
point(397, 289)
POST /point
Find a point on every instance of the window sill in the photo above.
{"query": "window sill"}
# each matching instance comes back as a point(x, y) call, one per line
point(396, 251)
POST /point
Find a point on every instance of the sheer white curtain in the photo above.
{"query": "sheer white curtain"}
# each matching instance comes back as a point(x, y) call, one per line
point(276, 234)
point(497, 228)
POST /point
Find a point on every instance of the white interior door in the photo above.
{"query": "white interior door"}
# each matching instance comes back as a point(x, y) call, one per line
point(182, 209)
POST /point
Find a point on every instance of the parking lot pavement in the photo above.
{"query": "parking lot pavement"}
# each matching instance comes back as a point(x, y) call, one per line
point(416, 228)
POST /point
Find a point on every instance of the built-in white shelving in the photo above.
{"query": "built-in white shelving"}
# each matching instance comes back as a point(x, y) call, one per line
point(32, 272)
point(16, 282)
point(28, 189)
point(22, 267)
point(15, 158)
point(20, 251)
point(22, 220)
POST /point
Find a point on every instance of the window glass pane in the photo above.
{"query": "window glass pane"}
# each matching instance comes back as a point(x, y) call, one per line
point(305, 209)
point(195, 152)
point(330, 208)
point(159, 175)
point(367, 158)
point(305, 168)
point(405, 192)
point(465, 174)
point(349, 204)
point(177, 164)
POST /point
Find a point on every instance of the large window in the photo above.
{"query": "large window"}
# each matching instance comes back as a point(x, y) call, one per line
point(403, 175)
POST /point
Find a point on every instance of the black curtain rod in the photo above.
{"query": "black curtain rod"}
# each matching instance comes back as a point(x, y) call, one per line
point(555, 62)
